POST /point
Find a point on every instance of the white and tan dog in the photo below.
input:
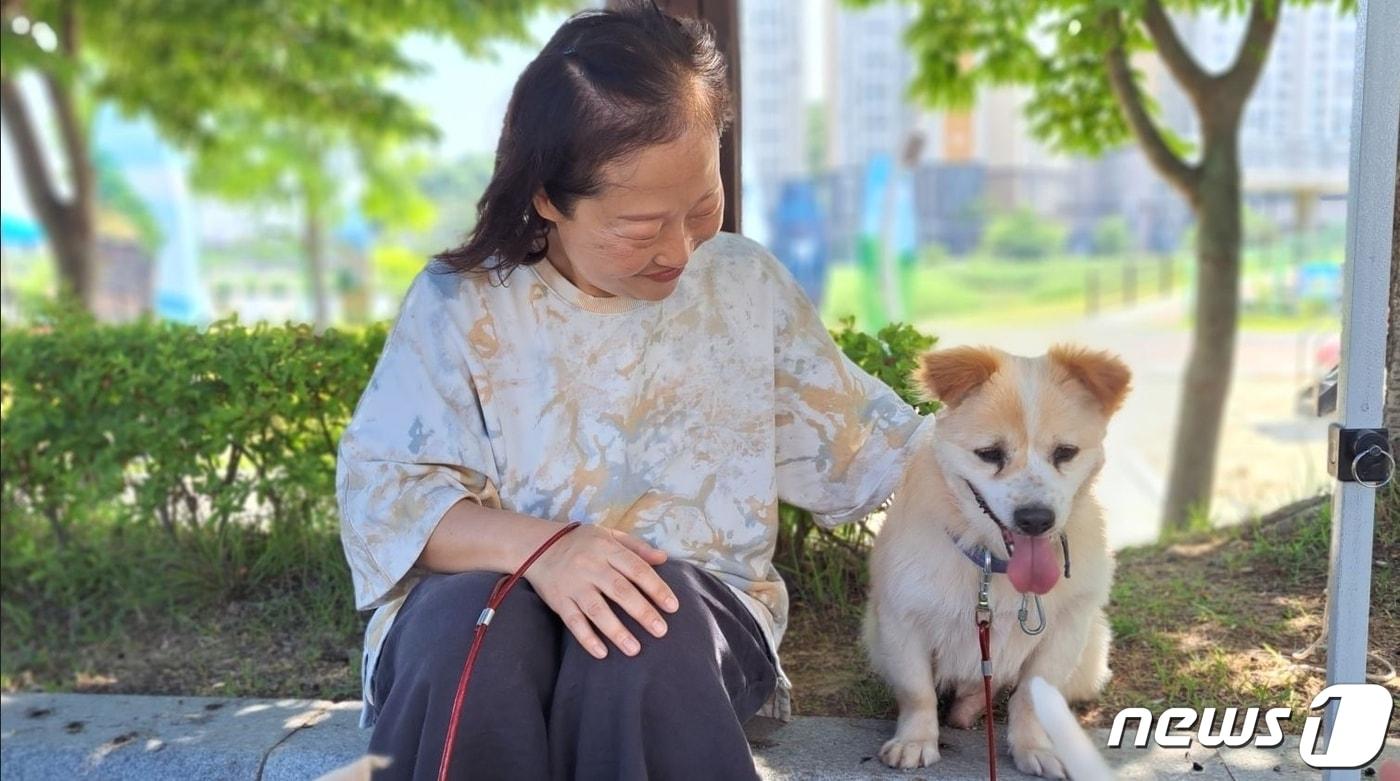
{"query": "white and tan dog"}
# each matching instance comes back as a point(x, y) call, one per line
point(1008, 471)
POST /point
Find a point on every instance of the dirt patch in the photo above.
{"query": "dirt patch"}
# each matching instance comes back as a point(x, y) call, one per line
point(823, 656)
point(242, 652)
point(1220, 620)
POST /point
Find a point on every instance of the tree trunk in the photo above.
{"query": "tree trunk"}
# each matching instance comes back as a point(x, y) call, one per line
point(1206, 386)
point(1391, 415)
point(74, 247)
point(1389, 498)
point(356, 295)
point(313, 244)
point(68, 224)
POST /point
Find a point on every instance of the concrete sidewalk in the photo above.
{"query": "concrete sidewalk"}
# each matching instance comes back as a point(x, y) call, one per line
point(62, 736)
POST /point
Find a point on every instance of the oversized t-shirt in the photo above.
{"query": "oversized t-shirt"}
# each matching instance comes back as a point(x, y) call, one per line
point(683, 421)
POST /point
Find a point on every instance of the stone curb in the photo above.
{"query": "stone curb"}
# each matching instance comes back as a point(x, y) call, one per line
point(79, 736)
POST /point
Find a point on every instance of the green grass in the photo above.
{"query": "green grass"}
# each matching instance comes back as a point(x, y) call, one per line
point(984, 290)
point(243, 613)
point(1211, 618)
point(993, 290)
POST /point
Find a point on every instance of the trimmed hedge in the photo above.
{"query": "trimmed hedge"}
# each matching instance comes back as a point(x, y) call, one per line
point(155, 422)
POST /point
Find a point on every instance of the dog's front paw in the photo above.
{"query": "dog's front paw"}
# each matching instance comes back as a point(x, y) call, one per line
point(914, 751)
point(1038, 761)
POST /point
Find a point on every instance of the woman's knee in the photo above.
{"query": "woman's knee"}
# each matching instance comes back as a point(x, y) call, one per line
point(439, 601)
point(718, 642)
point(712, 658)
point(687, 649)
point(710, 612)
point(511, 684)
point(439, 623)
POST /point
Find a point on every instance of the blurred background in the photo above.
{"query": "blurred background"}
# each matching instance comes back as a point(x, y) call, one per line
point(957, 220)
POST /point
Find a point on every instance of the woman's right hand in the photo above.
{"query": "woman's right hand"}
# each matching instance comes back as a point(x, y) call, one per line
point(587, 571)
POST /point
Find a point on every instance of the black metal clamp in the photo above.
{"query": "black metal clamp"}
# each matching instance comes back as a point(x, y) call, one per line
point(1360, 455)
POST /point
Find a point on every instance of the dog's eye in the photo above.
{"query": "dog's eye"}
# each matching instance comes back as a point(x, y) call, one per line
point(992, 455)
point(1065, 453)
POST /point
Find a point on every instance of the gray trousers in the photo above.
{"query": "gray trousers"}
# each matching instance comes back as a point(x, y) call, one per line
point(540, 707)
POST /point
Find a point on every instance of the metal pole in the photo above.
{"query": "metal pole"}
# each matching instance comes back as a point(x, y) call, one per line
point(1366, 282)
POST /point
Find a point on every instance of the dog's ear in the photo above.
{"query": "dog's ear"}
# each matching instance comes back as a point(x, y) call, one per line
point(1102, 373)
point(949, 375)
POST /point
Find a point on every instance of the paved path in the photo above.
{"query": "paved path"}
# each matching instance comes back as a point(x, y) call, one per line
point(81, 736)
point(1269, 456)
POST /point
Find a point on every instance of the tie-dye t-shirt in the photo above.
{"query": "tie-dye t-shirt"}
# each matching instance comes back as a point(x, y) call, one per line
point(683, 421)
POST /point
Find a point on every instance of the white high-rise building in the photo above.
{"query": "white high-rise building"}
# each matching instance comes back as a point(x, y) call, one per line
point(871, 111)
point(1297, 121)
point(868, 110)
point(775, 115)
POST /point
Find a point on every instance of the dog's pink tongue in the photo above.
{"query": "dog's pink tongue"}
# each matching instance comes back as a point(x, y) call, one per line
point(1033, 568)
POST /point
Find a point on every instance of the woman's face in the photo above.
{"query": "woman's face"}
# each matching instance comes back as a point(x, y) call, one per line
point(635, 237)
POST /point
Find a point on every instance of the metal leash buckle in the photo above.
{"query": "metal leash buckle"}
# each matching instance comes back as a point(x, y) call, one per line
point(984, 603)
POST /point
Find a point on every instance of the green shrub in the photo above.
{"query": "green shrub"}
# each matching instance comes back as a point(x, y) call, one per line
point(1112, 236)
point(890, 356)
point(1023, 235)
point(163, 423)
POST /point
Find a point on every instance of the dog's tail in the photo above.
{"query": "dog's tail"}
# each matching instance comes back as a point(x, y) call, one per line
point(1072, 744)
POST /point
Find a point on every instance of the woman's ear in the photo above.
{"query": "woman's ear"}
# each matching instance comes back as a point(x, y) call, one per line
point(545, 207)
point(950, 375)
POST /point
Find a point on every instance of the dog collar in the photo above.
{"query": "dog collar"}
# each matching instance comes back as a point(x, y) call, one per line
point(978, 555)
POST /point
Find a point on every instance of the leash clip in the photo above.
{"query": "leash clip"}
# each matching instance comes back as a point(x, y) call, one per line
point(984, 603)
point(1024, 613)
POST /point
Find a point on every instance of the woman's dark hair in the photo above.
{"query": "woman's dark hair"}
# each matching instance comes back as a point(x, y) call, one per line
point(607, 85)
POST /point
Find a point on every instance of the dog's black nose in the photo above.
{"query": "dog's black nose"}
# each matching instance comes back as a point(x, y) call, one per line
point(1033, 519)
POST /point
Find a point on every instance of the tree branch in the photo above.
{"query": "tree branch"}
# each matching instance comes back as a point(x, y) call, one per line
point(74, 142)
point(1178, 59)
point(1239, 79)
point(1180, 174)
point(70, 126)
point(68, 31)
point(38, 184)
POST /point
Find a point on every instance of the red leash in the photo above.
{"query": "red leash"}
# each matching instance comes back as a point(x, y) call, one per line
point(498, 595)
point(983, 616)
point(984, 632)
